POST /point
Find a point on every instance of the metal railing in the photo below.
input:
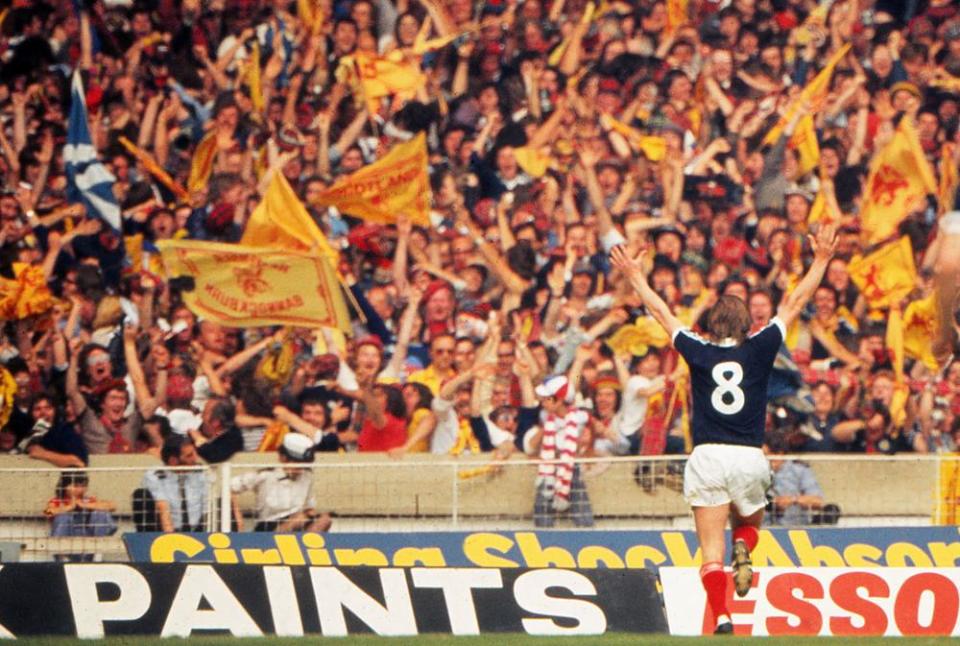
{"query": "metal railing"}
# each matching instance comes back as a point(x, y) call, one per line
point(375, 493)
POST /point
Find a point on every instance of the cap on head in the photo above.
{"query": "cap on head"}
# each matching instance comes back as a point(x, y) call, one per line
point(298, 448)
point(553, 387)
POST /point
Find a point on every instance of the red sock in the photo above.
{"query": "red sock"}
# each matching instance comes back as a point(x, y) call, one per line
point(714, 581)
point(748, 534)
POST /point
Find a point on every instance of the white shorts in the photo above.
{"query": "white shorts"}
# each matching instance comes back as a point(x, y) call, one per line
point(720, 474)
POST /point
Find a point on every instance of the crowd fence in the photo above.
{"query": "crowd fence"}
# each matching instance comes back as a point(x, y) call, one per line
point(471, 494)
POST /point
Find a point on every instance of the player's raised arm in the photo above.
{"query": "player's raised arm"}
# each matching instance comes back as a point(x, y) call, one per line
point(632, 268)
point(824, 245)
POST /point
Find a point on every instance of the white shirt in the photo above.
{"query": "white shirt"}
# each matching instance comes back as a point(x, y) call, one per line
point(447, 431)
point(633, 410)
point(278, 494)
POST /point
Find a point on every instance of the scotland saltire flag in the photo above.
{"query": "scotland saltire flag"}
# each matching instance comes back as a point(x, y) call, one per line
point(88, 180)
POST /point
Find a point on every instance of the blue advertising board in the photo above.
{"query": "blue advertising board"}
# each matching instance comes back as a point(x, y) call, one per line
point(584, 549)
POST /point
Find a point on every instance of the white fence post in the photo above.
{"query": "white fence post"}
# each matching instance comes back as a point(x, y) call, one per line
point(225, 524)
point(455, 512)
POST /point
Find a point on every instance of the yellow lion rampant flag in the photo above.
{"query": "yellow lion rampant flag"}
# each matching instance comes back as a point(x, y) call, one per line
point(394, 185)
point(900, 178)
point(919, 329)
point(242, 286)
point(887, 275)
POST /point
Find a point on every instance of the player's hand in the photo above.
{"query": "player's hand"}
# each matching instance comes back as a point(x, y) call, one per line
point(824, 245)
point(631, 267)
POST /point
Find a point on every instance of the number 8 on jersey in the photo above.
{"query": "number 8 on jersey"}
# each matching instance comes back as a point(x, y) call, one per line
point(727, 398)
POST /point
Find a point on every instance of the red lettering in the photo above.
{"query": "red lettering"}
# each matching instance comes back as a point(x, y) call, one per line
point(736, 606)
point(845, 592)
point(780, 595)
point(946, 602)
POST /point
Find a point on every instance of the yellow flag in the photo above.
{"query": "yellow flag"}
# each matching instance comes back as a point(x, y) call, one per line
point(251, 77)
point(900, 177)
point(804, 141)
point(949, 84)
point(281, 221)
point(818, 209)
point(533, 162)
point(26, 294)
point(945, 512)
point(887, 275)
point(894, 340)
point(949, 178)
point(821, 209)
point(397, 184)
point(152, 167)
point(919, 329)
point(241, 286)
point(387, 76)
point(201, 166)
point(814, 93)
point(557, 54)
point(310, 14)
point(817, 17)
point(653, 148)
point(676, 15)
point(636, 338)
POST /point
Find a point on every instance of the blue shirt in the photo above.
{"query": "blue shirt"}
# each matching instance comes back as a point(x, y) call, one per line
point(794, 479)
point(729, 384)
point(165, 485)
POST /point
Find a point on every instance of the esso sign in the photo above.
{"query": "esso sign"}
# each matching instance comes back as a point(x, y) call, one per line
point(822, 601)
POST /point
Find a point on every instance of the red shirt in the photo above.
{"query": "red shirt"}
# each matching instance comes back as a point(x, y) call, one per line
point(392, 434)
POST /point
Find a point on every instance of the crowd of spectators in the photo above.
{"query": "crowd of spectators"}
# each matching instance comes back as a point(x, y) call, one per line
point(533, 180)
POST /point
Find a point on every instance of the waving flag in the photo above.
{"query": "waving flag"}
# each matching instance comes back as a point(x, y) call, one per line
point(394, 184)
point(898, 183)
point(88, 180)
point(885, 276)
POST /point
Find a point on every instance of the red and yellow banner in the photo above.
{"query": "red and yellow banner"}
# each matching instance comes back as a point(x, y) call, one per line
point(241, 286)
point(387, 76)
point(26, 295)
point(900, 178)
point(887, 275)
point(396, 185)
point(919, 330)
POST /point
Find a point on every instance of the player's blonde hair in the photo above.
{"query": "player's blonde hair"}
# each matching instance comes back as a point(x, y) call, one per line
point(729, 318)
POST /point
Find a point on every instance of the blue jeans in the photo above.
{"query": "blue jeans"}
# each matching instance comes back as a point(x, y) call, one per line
point(84, 523)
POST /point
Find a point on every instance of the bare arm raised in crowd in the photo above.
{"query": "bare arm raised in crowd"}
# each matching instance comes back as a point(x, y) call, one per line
point(632, 268)
point(824, 245)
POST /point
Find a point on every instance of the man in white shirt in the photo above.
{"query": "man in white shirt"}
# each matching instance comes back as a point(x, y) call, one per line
point(285, 501)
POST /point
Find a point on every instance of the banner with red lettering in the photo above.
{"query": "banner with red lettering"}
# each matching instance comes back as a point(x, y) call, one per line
point(243, 286)
point(822, 601)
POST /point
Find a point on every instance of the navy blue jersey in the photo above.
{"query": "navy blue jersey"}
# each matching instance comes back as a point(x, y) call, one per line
point(729, 385)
